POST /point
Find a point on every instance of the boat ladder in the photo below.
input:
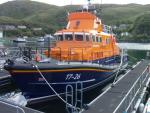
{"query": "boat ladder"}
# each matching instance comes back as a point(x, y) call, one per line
point(74, 99)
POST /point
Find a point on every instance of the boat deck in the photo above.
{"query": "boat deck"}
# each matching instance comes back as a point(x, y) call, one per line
point(108, 101)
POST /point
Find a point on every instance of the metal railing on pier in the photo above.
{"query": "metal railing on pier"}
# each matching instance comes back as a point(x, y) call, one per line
point(129, 101)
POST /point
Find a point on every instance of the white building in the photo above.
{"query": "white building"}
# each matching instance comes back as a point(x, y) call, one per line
point(125, 34)
point(1, 34)
point(22, 27)
point(37, 29)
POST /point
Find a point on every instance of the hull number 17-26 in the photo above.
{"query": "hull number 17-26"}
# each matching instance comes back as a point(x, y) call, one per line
point(71, 76)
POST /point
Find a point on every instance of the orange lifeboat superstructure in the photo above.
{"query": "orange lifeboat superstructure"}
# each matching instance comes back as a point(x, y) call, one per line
point(84, 39)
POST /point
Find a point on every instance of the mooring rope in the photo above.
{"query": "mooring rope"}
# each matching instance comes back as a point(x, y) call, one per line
point(121, 62)
point(74, 107)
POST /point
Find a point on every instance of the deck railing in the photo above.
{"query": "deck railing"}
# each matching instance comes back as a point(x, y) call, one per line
point(107, 29)
point(128, 103)
point(29, 54)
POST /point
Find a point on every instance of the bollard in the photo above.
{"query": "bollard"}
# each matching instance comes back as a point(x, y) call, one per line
point(141, 108)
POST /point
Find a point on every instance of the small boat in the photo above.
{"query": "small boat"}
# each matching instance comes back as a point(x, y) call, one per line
point(41, 39)
point(85, 51)
point(19, 39)
point(49, 38)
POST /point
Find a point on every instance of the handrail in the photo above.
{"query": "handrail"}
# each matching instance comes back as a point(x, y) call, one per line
point(69, 94)
point(94, 57)
point(92, 53)
point(71, 52)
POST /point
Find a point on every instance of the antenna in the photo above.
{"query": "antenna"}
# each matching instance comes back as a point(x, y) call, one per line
point(100, 8)
point(71, 2)
point(89, 2)
point(100, 5)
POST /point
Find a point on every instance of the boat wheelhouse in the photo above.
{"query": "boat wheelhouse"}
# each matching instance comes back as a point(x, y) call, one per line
point(84, 39)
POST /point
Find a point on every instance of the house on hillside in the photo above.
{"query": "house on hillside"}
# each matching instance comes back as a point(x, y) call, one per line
point(123, 26)
point(114, 27)
point(21, 27)
point(10, 27)
point(37, 29)
point(124, 34)
point(7, 27)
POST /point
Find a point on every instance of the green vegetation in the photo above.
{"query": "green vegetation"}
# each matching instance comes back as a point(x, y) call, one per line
point(123, 13)
point(51, 18)
point(31, 14)
point(142, 25)
point(140, 29)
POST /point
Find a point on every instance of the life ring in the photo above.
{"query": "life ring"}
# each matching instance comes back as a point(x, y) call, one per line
point(37, 58)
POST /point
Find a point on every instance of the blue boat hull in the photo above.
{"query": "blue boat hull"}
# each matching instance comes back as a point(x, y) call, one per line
point(32, 84)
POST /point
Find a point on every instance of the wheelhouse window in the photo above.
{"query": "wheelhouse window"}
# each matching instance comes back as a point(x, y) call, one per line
point(79, 37)
point(87, 38)
point(69, 37)
point(98, 39)
point(107, 40)
point(59, 37)
point(93, 38)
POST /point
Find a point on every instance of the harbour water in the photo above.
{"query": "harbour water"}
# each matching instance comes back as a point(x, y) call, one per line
point(136, 52)
point(135, 46)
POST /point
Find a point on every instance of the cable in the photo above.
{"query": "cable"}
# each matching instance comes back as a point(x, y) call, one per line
point(119, 67)
point(74, 107)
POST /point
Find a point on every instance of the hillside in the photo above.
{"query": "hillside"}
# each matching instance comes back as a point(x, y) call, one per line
point(22, 9)
point(51, 18)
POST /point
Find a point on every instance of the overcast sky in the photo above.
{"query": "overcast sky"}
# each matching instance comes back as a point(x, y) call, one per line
point(68, 2)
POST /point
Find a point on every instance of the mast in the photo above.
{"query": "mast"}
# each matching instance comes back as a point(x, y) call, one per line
point(89, 2)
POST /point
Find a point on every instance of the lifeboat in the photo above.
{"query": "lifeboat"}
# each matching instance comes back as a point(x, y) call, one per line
point(85, 52)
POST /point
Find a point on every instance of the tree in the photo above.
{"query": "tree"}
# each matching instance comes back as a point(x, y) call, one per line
point(142, 25)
